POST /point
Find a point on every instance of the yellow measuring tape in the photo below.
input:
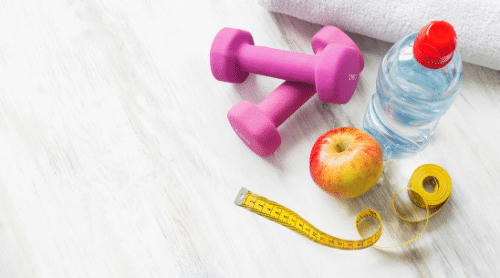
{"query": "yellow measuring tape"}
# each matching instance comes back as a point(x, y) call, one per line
point(428, 173)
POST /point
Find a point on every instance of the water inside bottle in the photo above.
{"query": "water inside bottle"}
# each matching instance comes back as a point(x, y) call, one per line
point(405, 110)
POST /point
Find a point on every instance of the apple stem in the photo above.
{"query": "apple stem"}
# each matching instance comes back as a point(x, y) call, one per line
point(341, 146)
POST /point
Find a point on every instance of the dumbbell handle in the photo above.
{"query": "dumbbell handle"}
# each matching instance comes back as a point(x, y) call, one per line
point(286, 65)
point(285, 100)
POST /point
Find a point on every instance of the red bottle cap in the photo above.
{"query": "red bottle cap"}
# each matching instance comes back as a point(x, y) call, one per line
point(434, 45)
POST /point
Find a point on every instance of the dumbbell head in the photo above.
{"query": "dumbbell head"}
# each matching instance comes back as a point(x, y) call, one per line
point(340, 62)
point(337, 74)
point(224, 55)
point(333, 35)
point(254, 128)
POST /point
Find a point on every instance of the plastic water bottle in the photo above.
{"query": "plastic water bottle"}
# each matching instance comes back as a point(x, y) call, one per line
point(417, 82)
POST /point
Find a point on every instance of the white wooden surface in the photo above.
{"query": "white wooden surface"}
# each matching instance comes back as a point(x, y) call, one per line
point(117, 160)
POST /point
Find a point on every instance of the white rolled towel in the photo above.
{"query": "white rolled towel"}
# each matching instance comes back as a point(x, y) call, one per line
point(476, 22)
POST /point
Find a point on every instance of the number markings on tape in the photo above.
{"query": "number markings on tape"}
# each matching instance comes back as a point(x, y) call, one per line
point(288, 218)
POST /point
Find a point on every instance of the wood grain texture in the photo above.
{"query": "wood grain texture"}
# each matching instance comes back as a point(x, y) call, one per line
point(117, 160)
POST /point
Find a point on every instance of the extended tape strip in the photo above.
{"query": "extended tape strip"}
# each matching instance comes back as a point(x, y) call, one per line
point(288, 218)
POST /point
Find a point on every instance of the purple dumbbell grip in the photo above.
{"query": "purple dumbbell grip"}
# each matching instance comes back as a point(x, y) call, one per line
point(286, 65)
point(280, 104)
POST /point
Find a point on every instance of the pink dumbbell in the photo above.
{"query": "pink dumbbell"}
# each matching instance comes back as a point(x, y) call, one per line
point(257, 126)
point(334, 70)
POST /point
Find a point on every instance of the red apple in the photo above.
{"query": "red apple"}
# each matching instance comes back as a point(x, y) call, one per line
point(346, 162)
